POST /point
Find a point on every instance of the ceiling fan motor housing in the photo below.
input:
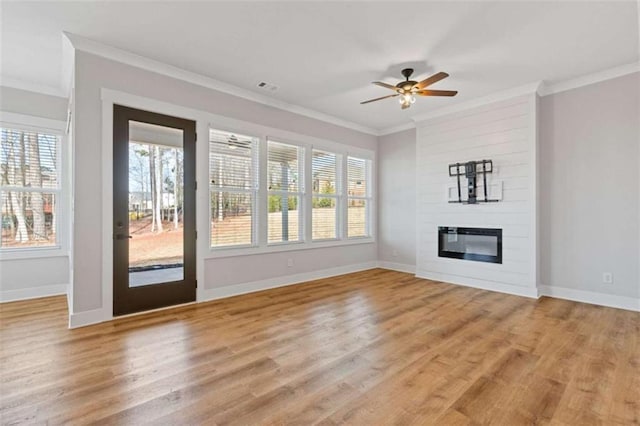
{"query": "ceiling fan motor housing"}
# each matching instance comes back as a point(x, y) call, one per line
point(407, 72)
point(408, 84)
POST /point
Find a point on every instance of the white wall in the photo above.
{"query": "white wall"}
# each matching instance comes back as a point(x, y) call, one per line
point(583, 213)
point(590, 184)
point(33, 277)
point(225, 272)
point(93, 73)
point(397, 200)
point(504, 132)
point(21, 275)
point(588, 177)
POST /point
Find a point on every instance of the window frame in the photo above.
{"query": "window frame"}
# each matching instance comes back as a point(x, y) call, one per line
point(338, 196)
point(367, 198)
point(301, 193)
point(57, 128)
point(260, 218)
point(255, 161)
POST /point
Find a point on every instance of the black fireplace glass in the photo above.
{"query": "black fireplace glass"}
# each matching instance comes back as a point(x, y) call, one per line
point(478, 244)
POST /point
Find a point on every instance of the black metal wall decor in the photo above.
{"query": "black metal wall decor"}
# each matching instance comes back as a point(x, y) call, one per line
point(471, 170)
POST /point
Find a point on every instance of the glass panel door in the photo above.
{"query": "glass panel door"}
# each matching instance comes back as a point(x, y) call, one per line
point(154, 231)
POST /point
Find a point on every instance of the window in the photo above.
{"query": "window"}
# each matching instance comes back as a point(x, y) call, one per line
point(269, 194)
point(233, 171)
point(285, 186)
point(29, 188)
point(326, 195)
point(358, 197)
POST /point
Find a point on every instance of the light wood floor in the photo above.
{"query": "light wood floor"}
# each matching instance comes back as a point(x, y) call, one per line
point(370, 348)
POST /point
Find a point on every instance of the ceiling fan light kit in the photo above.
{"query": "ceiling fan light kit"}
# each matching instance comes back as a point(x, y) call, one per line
point(408, 89)
point(407, 99)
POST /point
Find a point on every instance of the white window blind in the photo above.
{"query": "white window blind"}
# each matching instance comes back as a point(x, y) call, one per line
point(29, 188)
point(285, 175)
point(326, 194)
point(358, 197)
point(233, 178)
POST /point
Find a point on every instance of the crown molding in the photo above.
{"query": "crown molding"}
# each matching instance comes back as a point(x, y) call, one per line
point(15, 83)
point(74, 42)
point(585, 80)
point(396, 129)
point(526, 89)
point(31, 122)
point(119, 55)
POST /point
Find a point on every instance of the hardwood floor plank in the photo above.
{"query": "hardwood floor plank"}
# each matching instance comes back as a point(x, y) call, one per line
point(373, 347)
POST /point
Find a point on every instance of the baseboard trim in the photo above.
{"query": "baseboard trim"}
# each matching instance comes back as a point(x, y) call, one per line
point(287, 280)
point(33, 292)
point(400, 267)
point(591, 297)
point(481, 284)
point(94, 316)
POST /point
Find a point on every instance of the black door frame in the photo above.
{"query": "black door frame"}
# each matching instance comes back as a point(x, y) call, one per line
point(128, 300)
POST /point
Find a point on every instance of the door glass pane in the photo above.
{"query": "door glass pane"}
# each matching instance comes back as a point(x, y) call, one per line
point(156, 196)
point(284, 218)
point(32, 223)
point(231, 223)
point(323, 218)
point(357, 218)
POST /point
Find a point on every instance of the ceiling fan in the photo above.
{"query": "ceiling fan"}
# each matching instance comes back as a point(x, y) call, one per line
point(408, 89)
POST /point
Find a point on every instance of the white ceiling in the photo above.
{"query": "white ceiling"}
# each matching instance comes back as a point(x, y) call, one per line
point(323, 56)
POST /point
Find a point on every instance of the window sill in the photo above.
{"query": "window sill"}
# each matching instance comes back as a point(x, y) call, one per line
point(359, 238)
point(283, 247)
point(32, 253)
point(284, 244)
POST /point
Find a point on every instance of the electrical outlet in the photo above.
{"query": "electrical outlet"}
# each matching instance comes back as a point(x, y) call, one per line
point(289, 263)
point(607, 277)
point(395, 253)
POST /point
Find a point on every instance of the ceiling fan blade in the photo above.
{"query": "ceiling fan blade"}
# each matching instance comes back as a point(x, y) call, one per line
point(437, 92)
point(379, 99)
point(385, 85)
point(433, 79)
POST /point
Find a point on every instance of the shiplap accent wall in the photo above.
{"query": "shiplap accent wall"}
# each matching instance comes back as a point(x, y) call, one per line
point(505, 132)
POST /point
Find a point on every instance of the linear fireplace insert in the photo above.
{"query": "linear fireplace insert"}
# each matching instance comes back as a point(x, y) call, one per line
point(479, 244)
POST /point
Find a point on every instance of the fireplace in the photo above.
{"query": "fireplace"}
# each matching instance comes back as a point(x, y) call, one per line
point(479, 244)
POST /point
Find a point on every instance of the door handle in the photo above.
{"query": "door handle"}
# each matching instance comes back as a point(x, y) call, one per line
point(122, 237)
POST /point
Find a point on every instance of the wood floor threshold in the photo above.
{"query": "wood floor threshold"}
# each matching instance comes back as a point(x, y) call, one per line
point(375, 347)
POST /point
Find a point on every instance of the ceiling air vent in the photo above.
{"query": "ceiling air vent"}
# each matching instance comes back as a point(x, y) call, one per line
point(267, 86)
